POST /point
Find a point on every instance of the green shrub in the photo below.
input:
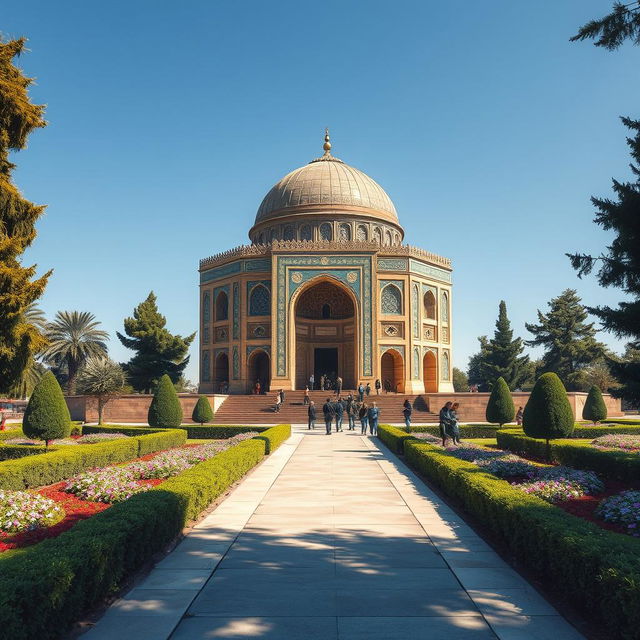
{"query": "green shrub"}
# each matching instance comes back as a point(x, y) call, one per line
point(202, 412)
point(47, 416)
point(623, 421)
point(274, 437)
point(603, 429)
point(622, 465)
point(395, 438)
point(548, 413)
point(75, 571)
point(466, 430)
point(594, 407)
point(599, 570)
point(165, 410)
point(9, 434)
point(16, 451)
point(500, 407)
point(194, 431)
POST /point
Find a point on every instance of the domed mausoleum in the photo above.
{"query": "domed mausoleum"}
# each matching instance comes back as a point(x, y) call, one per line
point(325, 288)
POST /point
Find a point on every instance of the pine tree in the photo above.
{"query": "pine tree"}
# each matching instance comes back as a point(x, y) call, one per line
point(202, 412)
point(165, 410)
point(47, 416)
point(569, 341)
point(502, 357)
point(594, 407)
point(19, 339)
point(500, 407)
point(158, 351)
point(611, 31)
point(620, 267)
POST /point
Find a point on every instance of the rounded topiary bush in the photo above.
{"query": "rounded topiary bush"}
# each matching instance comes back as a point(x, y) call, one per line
point(500, 407)
point(548, 414)
point(202, 412)
point(47, 416)
point(165, 409)
point(594, 407)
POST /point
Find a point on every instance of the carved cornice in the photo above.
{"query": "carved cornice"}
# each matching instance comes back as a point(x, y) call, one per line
point(331, 246)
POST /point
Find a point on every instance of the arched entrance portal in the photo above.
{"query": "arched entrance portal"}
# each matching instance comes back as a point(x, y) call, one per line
point(222, 373)
point(392, 371)
point(259, 369)
point(325, 335)
point(430, 372)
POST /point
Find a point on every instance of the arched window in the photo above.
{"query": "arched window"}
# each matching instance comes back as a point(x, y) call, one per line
point(206, 308)
point(415, 312)
point(391, 301)
point(259, 301)
point(222, 307)
point(261, 238)
point(344, 232)
point(444, 307)
point(430, 305)
point(361, 233)
point(445, 366)
point(387, 238)
point(326, 232)
point(306, 233)
point(289, 233)
point(396, 238)
point(206, 367)
point(377, 235)
point(326, 311)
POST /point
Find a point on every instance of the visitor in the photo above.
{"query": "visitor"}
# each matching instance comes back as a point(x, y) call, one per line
point(278, 402)
point(329, 412)
point(454, 429)
point(322, 381)
point(363, 414)
point(407, 411)
point(282, 396)
point(368, 389)
point(306, 395)
point(256, 388)
point(373, 415)
point(312, 381)
point(350, 412)
point(378, 386)
point(338, 385)
point(311, 412)
point(339, 409)
point(444, 420)
point(519, 416)
point(387, 385)
point(361, 392)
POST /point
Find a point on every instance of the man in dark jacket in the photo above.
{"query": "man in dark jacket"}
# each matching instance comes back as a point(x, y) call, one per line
point(444, 422)
point(350, 414)
point(339, 409)
point(311, 412)
point(329, 413)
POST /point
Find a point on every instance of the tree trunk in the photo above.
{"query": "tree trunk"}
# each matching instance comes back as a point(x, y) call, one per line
point(72, 366)
point(101, 404)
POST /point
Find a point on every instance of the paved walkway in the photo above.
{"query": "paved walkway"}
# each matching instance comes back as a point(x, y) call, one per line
point(333, 538)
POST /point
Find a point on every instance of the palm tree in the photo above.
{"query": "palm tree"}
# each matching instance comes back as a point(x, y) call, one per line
point(73, 337)
point(103, 379)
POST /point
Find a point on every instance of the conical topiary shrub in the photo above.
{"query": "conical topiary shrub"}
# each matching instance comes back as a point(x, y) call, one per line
point(594, 407)
point(47, 416)
point(165, 410)
point(202, 412)
point(500, 407)
point(548, 413)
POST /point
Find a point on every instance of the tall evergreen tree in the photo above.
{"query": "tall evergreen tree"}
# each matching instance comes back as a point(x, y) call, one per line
point(503, 354)
point(158, 352)
point(611, 31)
point(619, 267)
point(569, 341)
point(19, 339)
point(475, 370)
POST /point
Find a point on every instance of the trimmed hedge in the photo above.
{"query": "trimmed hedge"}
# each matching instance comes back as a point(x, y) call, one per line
point(67, 575)
point(54, 466)
point(12, 433)
point(466, 430)
point(623, 465)
point(596, 569)
point(622, 421)
point(395, 438)
point(213, 432)
point(16, 451)
point(274, 436)
point(581, 431)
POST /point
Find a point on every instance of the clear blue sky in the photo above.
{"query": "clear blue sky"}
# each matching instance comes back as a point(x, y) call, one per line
point(170, 121)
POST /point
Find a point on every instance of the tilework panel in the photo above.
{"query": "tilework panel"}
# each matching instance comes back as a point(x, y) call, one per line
point(430, 271)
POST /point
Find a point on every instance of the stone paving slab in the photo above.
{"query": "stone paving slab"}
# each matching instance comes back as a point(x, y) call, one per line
point(334, 538)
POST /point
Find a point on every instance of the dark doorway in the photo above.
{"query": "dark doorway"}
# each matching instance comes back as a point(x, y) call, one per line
point(325, 363)
point(259, 370)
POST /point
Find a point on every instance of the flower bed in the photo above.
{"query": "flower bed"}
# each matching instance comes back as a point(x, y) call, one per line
point(24, 511)
point(624, 509)
point(618, 441)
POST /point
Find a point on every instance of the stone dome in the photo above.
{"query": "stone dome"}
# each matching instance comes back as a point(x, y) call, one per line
point(326, 183)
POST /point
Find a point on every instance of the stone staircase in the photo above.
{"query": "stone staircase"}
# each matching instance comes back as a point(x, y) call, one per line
point(252, 409)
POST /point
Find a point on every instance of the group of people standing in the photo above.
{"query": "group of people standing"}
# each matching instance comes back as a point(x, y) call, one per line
point(449, 424)
point(336, 410)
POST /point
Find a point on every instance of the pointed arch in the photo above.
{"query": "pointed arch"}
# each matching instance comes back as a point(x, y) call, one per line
point(444, 307)
point(259, 369)
point(222, 306)
point(429, 301)
point(430, 372)
point(392, 370)
point(259, 301)
point(391, 300)
point(326, 232)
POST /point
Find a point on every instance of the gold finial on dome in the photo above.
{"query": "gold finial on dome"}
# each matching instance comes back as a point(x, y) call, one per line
point(327, 142)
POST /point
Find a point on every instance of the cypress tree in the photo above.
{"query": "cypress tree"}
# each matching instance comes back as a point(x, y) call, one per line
point(202, 412)
point(165, 410)
point(594, 407)
point(500, 407)
point(158, 352)
point(503, 354)
point(47, 416)
point(569, 341)
point(548, 413)
point(19, 339)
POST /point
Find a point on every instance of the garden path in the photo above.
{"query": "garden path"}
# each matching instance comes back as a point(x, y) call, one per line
point(333, 538)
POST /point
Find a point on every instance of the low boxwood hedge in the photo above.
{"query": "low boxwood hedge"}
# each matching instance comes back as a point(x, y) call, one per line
point(274, 436)
point(466, 430)
point(394, 437)
point(17, 451)
point(46, 587)
point(596, 569)
point(622, 465)
point(54, 466)
point(11, 433)
point(194, 431)
point(592, 431)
